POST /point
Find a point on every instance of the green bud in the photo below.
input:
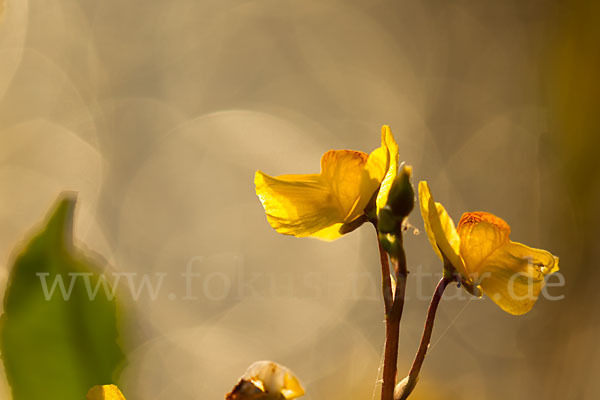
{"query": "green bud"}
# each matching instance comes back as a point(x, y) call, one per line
point(401, 198)
point(386, 221)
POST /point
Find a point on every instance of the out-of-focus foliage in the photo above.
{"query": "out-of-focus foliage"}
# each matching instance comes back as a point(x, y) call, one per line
point(573, 91)
point(56, 347)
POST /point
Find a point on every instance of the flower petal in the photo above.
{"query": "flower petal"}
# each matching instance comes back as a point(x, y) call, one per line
point(342, 171)
point(316, 204)
point(481, 233)
point(440, 230)
point(299, 205)
point(381, 168)
point(513, 276)
point(291, 387)
point(105, 392)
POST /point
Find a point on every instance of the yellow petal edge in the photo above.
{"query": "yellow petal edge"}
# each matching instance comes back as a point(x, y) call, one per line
point(382, 166)
point(441, 230)
point(105, 392)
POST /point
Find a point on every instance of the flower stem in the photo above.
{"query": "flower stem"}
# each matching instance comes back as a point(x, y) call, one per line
point(413, 375)
point(394, 304)
point(386, 281)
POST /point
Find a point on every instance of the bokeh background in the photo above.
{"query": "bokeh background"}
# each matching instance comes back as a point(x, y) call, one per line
point(158, 114)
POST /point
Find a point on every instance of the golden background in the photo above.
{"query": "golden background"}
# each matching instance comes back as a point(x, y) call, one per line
point(158, 114)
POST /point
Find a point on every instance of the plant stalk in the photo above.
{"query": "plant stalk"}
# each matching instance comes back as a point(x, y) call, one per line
point(415, 369)
point(394, 304)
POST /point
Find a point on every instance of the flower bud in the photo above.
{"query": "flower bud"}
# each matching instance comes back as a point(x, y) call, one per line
point(401, 198)
point(266, 380)
point(404, 388)
point(400, 202)
point(386, 221)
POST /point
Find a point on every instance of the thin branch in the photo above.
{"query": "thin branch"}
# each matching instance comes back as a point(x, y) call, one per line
point(415, 369)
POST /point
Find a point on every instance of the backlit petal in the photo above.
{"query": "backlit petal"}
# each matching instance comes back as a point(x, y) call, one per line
point(381, 168)
point(299, 205)
point(440, 229)
point(105, 392)
point(513, 276)
point(291, 387)
point(342, 172)
point(481, 233)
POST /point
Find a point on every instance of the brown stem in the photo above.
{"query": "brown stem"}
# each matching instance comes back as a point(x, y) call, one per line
point(413, 375)
point(393, 313)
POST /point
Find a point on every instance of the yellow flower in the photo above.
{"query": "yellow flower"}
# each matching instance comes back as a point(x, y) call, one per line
point(480, 251)
point(266, 380)
point(105, 392)
point(329, 204)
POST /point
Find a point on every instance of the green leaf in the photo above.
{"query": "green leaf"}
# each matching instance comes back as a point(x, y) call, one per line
point(57, 344)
